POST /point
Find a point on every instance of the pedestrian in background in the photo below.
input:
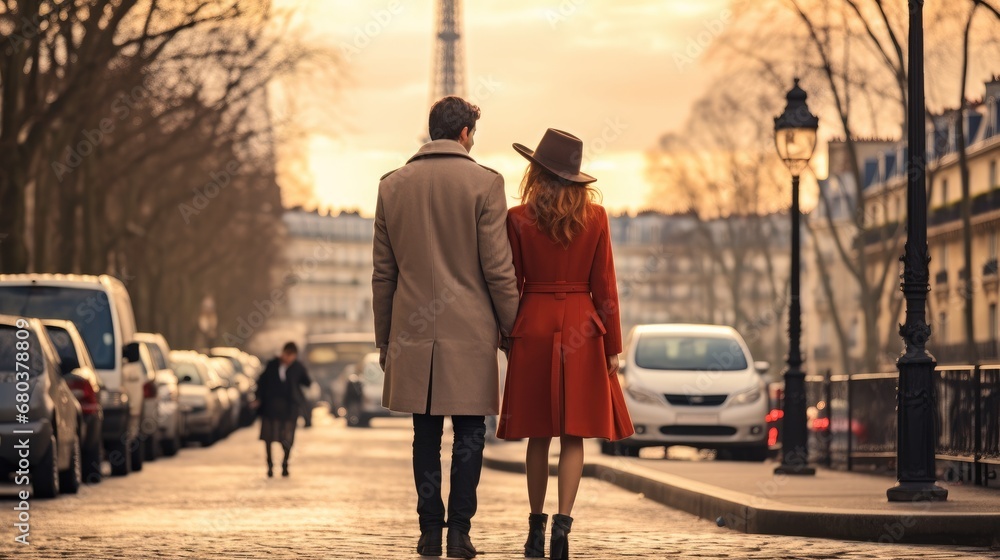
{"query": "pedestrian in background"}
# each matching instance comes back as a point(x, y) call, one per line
point(562, 367)
point(443, 291)
point(279, 392)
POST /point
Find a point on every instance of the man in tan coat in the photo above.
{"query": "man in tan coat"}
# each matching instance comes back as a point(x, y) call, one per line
point(443, 293)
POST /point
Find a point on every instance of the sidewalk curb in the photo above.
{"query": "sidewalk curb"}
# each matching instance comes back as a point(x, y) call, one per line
point(756, 515)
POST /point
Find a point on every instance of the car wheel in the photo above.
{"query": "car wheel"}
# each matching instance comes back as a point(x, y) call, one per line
point(151, 447)
point(138, 452)
point(46, 485)
point(71, 479)
point(625, 450)
point(92, 464)
point(172, 446)
point(754, 454)
point(120, 456)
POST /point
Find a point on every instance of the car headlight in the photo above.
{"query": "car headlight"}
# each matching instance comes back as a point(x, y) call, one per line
point(746, 397)
point(642, 395)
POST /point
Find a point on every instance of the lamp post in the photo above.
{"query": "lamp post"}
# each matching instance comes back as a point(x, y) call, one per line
point(915, 398)
point(795, 139)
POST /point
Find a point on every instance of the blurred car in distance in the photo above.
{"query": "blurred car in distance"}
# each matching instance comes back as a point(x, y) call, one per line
point(326, 356)
point(363, 393)
point(201, 394)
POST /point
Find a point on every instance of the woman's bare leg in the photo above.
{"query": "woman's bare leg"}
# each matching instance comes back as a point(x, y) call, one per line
point(570, 471)
point(537, 466)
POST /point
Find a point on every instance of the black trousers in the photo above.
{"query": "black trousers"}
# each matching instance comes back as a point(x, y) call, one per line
point(466, 467)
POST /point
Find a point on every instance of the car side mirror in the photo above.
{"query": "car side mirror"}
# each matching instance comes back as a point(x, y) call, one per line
point(131, 352)
point(762, 367)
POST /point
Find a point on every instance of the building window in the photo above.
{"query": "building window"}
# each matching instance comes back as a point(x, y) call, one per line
point(994, 242)
point(993, 174)
point(943, 255)
point(944, 192)
point(942, 326)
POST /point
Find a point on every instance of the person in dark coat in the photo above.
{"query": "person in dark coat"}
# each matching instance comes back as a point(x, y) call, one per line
point(279, 394)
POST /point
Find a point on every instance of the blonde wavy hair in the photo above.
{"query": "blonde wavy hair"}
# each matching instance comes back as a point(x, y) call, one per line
point(560, 207)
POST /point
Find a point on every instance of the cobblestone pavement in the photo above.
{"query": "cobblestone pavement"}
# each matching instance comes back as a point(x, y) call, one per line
point(350, 496)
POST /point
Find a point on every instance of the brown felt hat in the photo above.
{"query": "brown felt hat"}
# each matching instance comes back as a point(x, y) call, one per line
point(559, 152)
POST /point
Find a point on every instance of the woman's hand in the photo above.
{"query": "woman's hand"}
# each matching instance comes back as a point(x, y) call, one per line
point(612, 364)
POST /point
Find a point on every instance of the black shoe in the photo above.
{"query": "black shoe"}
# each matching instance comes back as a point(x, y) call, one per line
point(429, 543)
point(460, 545)
point(270, 470)
point(284, 470)
point(559, 547)
point(534, 547)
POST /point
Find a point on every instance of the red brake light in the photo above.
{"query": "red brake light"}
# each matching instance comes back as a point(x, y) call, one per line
point(149, 390)
point(84, 392)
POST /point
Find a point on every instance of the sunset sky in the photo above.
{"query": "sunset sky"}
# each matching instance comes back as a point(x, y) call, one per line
point(618, 75)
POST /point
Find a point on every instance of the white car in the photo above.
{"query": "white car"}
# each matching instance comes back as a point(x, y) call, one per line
point(201, 394)
point(693, 385)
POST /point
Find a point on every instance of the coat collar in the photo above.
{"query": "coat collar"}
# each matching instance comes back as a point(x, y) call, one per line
point(438, 148)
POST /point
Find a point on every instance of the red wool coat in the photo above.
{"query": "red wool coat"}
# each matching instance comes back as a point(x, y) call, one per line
point(567, 323)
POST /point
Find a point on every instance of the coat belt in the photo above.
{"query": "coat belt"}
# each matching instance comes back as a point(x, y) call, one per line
point(557, 287)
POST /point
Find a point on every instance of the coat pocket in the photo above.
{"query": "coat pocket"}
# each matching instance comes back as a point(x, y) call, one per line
point(601, 331)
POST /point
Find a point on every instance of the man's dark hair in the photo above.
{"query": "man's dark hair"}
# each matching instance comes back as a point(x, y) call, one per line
point(290, 348)
point(449, 116)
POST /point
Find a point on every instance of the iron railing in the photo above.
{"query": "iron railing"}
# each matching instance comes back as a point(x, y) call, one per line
point(852, 420)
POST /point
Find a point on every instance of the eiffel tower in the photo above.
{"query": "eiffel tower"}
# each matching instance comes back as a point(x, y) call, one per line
point(449, 59)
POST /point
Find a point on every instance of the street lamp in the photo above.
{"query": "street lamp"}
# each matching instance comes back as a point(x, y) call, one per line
point(915, 398)
point(795, 139)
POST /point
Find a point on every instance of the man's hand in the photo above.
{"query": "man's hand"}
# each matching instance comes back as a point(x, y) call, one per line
point(612, 364)
point(505, 345)
point(382, 354)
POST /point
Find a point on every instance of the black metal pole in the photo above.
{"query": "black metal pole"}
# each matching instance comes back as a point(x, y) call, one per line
point(915, 396)
point(794, 447)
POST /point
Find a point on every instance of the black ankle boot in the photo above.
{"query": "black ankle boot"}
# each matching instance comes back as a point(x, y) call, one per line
point(284, 469)
point(559, 547)
point(429, 543)
point(534, 547)
point(270, 469)
point(460, 545)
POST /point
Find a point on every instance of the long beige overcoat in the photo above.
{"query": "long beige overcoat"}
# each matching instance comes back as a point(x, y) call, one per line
point(443, 287)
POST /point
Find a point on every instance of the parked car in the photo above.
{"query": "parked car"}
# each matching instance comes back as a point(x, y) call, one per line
point(245, 380)
point(363, 393)
point(149, 429)
point(169, 419)
point(48, 422)
point(224, 369)
point(326, 356)
point(100, 308)
point(78, 372)
point(201, 392)
point(693, 385)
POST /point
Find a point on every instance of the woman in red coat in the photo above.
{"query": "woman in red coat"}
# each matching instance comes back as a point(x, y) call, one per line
point(563, 352)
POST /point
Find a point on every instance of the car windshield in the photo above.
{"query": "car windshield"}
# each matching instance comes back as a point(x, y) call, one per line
point(88, 309)
point(689, 353)
point(9, 353)
point(64, 346)
point(188, 369)
point(325, 353)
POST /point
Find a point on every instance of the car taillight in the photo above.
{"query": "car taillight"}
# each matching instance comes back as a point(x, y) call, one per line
point(149, 390)
point(84, 392)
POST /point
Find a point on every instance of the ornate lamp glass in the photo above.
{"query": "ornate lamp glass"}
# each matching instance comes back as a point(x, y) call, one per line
point(795, 131)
